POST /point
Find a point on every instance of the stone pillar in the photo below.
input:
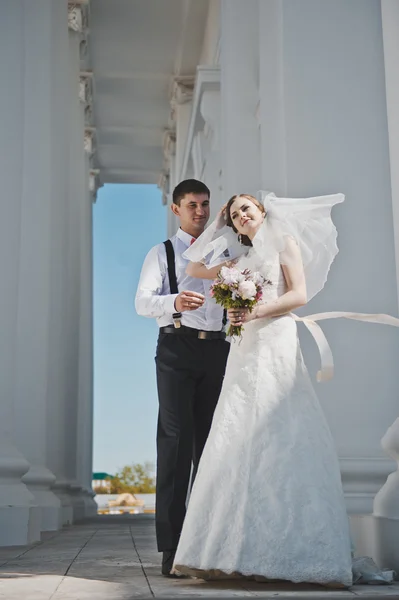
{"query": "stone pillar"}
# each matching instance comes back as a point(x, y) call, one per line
point(84, 181)
point(76, 195)
point(83, 191)
point(322, 134)
point(181, 107)
point(210, 109)
point(378, 534)
point(64, 311)
point(239, 60)
point(44, 38)
point(271, 112)
point(19, 517)
point(384, 503)
point(85, 389)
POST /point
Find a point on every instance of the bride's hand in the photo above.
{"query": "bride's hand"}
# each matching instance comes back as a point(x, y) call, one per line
point(221, 217)
point(240, 316)
point(231, 263)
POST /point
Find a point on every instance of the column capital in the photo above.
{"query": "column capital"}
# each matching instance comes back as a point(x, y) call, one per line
point(169, 147)
point(86, 96)
point(78, 16)
point(181, 90)
point(94, 182)
point(90, 140)
point(86, 87)
point(163, 184)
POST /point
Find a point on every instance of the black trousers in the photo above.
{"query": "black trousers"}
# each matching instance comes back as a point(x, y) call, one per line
point(190, 373)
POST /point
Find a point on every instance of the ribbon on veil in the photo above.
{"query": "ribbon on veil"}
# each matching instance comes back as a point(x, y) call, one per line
point(326, 357)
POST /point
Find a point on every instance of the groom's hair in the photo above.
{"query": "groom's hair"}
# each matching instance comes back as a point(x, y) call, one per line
point(189, 186)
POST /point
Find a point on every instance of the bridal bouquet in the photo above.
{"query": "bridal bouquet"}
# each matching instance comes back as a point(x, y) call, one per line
point(237, 289)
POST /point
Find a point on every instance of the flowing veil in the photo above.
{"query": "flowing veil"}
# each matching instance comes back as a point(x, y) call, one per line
point(306, 220)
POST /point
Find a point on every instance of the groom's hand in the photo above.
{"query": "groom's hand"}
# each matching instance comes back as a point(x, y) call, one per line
point(188, 301)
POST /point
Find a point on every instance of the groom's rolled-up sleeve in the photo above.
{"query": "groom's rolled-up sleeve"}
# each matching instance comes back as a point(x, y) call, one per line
point(149, 300)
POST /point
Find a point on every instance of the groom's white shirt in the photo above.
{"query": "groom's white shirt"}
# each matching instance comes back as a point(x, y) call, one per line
point(153, 298)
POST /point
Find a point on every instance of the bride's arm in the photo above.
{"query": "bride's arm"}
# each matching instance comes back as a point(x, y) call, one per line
point(200, 271)
point(295, 296)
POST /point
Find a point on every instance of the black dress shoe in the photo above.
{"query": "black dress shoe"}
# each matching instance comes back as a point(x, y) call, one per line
point(167, 563)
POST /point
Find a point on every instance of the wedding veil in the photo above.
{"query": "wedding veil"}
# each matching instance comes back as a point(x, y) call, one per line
point(306, 220)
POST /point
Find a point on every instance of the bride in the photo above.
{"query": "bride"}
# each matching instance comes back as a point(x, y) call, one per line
point(267, 500)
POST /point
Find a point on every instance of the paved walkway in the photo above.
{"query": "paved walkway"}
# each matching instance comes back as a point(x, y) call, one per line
point(115, 558)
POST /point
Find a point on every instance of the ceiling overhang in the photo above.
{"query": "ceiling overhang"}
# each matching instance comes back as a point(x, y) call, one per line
point(138, 48)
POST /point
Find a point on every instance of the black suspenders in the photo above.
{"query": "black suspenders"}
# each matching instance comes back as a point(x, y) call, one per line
point(170, 257)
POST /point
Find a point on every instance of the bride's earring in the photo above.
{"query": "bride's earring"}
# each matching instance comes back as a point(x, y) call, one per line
point(240, 238)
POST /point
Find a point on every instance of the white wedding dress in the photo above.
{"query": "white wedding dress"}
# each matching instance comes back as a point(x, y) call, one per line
point(267, 500)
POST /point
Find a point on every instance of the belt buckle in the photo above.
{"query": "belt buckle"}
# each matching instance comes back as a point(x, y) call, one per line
point(202, 335)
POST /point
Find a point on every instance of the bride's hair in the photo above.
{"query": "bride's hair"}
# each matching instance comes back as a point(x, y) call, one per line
point(244, 239)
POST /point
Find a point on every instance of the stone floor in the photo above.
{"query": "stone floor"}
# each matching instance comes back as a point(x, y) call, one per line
point(115, 558)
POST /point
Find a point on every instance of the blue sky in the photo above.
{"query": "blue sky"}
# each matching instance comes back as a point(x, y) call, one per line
point(127, 221)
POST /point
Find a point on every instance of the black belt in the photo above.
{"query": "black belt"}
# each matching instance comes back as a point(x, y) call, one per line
point(190, 331)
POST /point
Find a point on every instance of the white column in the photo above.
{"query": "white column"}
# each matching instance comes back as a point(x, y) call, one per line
point(80, 262)
point(210, 108)
point(182, 117)
point(390, 28)
point(41, 65)
point(61, 408)
point(77, 194)
point(321, 134)
point(377, 535)
point(85, 390)
point(271, 109)
point(239, 60)
point(17, 508)
point(181, 105)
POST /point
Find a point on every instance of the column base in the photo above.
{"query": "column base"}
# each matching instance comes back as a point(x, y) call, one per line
point(39, 480)
point(19, 515)
point(63, 492)
point(91, 507)
point(78, 502)
point(19, 525)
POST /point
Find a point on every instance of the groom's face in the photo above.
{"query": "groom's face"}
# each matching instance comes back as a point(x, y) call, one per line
point(193, 213)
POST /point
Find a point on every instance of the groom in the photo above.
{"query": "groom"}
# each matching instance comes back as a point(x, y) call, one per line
point(190, 361)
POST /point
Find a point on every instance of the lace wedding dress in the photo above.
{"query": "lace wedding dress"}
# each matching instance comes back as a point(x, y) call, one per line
point(267, 500)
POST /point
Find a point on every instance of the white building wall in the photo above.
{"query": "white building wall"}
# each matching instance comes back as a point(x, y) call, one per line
point(336, 139)
point(303, 112)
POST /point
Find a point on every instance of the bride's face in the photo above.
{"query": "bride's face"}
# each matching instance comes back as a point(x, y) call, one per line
point(246, 216)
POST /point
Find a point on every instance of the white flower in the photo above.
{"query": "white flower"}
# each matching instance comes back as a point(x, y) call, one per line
point(247, 290)
point(257, 278)
point(229, 276)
